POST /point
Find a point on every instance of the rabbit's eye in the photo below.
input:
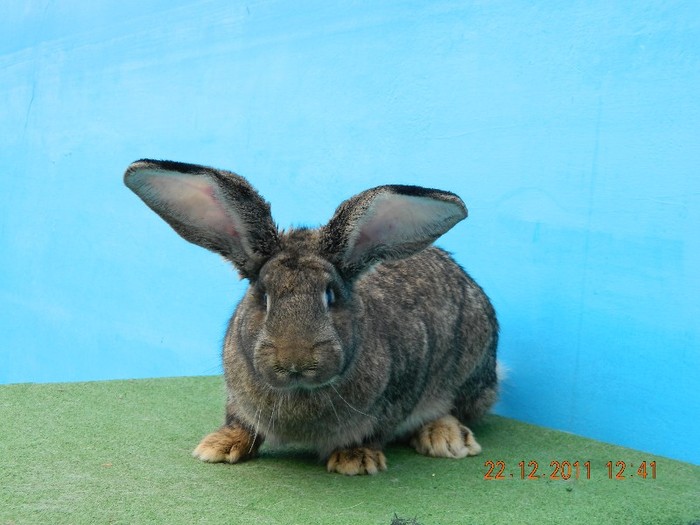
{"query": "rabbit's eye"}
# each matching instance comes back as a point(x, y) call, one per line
point(329, 297)
point(266, 301)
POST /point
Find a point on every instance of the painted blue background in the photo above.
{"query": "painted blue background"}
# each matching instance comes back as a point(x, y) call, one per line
point(569, 128)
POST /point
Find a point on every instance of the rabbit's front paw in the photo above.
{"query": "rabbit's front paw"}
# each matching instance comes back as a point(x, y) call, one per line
point(228, 444)
point(359, 460)
point(445, 437)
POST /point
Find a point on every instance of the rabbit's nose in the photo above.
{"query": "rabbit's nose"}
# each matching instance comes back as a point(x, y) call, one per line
point(294, 368)
point(294, 371)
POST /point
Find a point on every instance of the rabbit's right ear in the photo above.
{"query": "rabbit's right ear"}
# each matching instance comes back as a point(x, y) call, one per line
point(216, 209)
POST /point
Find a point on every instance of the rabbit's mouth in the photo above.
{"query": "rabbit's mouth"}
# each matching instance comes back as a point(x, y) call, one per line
point(294, 384)
point(297, 377)
point(291, 368)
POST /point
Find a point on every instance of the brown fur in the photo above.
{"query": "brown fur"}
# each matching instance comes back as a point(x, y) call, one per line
point(350, 335)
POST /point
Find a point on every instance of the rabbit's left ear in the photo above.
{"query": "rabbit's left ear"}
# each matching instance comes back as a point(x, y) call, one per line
point(216, 209)
point(388, 223)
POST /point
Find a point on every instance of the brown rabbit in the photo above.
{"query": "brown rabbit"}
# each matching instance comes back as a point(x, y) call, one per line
point(349, 336)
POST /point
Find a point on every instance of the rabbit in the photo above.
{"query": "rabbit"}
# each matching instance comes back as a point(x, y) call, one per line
point(349, 336)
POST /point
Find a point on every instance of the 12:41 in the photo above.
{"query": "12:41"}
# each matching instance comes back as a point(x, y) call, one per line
point(643, 471)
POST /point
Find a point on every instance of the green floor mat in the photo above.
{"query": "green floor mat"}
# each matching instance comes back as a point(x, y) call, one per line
point(119, 452)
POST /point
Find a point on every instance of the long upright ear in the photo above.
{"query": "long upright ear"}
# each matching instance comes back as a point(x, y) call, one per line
point(387, 223)
point(216, 209)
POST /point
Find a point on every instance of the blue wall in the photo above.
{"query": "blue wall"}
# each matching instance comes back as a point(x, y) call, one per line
point(569, 128)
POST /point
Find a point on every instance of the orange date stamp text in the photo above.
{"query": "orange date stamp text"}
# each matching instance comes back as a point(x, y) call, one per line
point(566, 470)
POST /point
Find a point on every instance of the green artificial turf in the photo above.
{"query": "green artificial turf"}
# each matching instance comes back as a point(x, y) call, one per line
point(119, 452)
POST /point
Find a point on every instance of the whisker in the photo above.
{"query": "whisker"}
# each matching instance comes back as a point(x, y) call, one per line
point(328, 397)
point(257, 427)
point(271, 422)
point(348, 404)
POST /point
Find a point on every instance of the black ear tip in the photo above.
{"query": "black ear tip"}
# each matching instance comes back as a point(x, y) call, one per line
point(432, 193)
point(463, 207)
point(421, 191)
point(145, 163)
point(167, 165)
point(140, 165)
point(131, 173)
point(164, 166)
point(448, 196)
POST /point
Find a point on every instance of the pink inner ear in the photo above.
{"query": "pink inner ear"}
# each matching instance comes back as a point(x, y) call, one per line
point(194, 201)
point(379, 230)
point(393, 220)
point(219, 216)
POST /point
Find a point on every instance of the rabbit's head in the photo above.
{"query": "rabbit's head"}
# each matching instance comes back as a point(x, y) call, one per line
point(295, 322)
